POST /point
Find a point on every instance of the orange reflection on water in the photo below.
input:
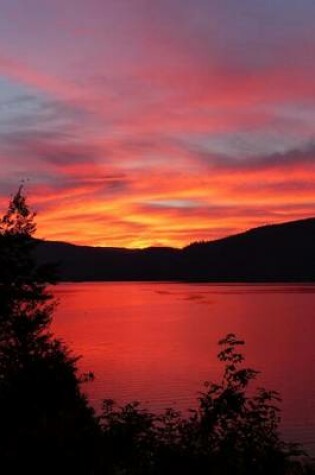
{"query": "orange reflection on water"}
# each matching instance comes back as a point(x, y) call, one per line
point(157, 342)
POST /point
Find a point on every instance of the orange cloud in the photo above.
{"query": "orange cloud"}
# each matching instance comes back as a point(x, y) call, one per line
point(158, 124)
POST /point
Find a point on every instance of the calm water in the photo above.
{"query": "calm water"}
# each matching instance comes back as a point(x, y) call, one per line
point(156, 342)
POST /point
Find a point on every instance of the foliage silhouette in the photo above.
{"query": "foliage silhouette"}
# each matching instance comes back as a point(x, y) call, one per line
point(42, 409)
point(232, 431)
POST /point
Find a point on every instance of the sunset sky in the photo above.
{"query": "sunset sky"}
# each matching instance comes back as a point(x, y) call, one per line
point(158, 122)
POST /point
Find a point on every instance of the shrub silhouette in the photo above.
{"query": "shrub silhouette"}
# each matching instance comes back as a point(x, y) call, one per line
point(232, 431)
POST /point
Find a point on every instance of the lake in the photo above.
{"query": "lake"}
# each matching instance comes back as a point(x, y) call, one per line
point(157, 342)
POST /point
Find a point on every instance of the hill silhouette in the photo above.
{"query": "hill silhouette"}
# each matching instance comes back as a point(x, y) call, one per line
point(274, 253)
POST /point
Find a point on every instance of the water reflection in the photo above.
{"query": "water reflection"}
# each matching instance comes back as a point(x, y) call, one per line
point(157, 341)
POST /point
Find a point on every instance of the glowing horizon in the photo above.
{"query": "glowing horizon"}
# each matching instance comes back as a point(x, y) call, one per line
point(138, 123)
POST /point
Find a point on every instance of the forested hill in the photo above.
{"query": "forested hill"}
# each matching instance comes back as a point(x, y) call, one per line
point(276, 253)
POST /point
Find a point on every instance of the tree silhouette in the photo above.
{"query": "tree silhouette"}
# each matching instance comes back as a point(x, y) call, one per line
point(42, 408)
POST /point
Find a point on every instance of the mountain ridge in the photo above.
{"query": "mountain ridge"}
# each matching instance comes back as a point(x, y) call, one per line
point(270, 253)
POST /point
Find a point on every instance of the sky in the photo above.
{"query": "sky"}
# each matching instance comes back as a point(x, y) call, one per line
point(157, 122)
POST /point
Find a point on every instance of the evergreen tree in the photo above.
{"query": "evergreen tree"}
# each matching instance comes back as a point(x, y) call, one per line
point(43, 412)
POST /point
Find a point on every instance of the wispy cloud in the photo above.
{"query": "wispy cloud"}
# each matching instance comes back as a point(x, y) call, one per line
point(138, 123)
